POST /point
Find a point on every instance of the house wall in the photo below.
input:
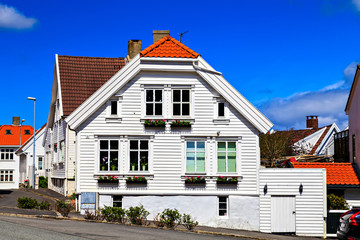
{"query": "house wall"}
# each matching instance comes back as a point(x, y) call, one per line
point(354, 126)
point(10, 165)
point(310, 205)
point(167, 160)
point(352, 197)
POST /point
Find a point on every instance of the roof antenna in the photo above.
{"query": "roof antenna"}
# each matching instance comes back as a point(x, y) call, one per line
point(181, 34)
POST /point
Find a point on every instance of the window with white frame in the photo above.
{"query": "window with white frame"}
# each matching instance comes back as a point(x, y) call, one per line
point(62, 152)
point(113, 108)
point(226, 154)
point(154, 106)
point(139, 155)
point(195, 156)
point(6, 175)
point(221, 109)
point(7, 154)
point(181, 102)
point(40, 163)
point(223, 205)
point(109, 155)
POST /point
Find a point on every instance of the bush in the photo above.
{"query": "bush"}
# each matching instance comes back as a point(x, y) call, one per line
point(188, 222)
point(43, 182)
point(170, 217)
point(93, 215)
point(113, 214)
point(137, 215)
point(44, 205)
point(28, 203)
point(337, 202)
point(158, 221)
point(63, 208)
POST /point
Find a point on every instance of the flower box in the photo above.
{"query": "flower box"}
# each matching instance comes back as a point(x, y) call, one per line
point(108, 179)
point(136, 180)
point(180, 124)
point(227, 180)
point(195, 180)
point(149, 123)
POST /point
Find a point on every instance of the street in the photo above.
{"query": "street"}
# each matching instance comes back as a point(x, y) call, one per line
point(34, 228)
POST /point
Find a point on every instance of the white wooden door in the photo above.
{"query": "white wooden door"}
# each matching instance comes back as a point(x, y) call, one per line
point(283, 214)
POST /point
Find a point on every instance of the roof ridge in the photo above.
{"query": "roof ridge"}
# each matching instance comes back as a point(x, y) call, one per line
point(91, 57)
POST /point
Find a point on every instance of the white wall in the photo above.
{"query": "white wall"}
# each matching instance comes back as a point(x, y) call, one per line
point(352, 197)
point(10, 165)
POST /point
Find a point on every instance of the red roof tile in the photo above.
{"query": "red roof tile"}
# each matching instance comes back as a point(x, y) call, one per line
point(297, 135)
point(30, 139)
point(80, 77)
point(13, 139)
point(336, 173)
point(168, 47)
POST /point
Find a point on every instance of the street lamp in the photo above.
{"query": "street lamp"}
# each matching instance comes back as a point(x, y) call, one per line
point(34, 99)
point(21, 123)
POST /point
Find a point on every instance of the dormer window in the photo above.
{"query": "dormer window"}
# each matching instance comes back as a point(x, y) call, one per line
point(27, 132)
point(8, 132)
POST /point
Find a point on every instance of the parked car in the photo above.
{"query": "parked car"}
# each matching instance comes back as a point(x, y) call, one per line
point(349, 225)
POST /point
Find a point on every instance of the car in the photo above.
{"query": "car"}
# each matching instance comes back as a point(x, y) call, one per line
point(349, 225)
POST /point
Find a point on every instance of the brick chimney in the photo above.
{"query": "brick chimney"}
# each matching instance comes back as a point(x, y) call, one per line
point(159, 34)
point(134, 47)
point(16, 121)
point(312, 122)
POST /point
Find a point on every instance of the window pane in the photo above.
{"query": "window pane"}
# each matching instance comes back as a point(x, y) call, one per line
point(222, 212)
point(222, 199)
point(222, 205)
point(221, 162)
point(190, 162)
point(221, 110)
point(176, 109)
point(158, 109)
point(232, 162)
point(114, 144)
point(200, 161)
point(231, 146)
point(133, 144)
point(134, 161)
point(158, 95)
point(190, 146)
point(103, 161)
point(221, 146)
point(144, 161)
point(11, 178)
point(176, 95)
point(113, 108)
point(149, 109)
point(104, 144)
point(185, 109)
point(185, 95)
point(200, 146)
point(144, 144)
point(113, 160)
point(149, 95)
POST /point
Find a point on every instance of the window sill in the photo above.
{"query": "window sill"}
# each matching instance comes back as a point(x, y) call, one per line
point(190, 119)
point(221, 121)
point(113, 119)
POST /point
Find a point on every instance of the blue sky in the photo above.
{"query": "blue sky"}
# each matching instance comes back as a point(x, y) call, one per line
point(289, 58)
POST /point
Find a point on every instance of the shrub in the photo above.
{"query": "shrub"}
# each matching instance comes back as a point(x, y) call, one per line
point(44, 205)
point(43, 182)
point(137, 215)
point(158, 221)
point(170, 217)
point(63, 208)
point(113, 214)
point(337, 203)
point(28, 203)
point(188, 222)
point(93, 215)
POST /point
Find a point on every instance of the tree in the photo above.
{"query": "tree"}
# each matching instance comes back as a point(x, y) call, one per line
point(275, 145)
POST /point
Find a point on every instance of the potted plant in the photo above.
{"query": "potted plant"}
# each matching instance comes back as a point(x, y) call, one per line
point(108, 179)
point(227, 180)
point(154, 123)
point(103, 163)
point(195, 180)
point(133, 165)
point(143, 166)
point(179, 123)
point(136, 180)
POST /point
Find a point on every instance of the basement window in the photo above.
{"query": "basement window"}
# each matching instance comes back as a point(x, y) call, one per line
point(223, 206)
point(117, 201)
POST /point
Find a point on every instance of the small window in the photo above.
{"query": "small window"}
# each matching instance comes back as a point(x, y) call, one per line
point(353, 149)
point(8, 131)
point(117, 201)
point(154, 102)
point(181, 102)
point(114, 108)
point(27, 132)
point(6, 154)
point(221, 109)
point(40, 163)
point(223, 206)
point(139, 152)
point(6, 176)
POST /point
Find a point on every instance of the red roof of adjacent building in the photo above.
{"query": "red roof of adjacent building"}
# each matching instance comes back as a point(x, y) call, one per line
point(13, 137)
point(336, 173)
point(29, 139)
point(80, 77)
point(168, 47)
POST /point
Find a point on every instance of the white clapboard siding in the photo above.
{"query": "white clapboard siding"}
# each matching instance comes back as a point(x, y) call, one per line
point(310, 205)
point(71, 153)
point(167, 163)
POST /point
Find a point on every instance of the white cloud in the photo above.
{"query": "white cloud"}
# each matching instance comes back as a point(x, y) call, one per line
point(10, 18)
point(350, 70)
point(357, 4)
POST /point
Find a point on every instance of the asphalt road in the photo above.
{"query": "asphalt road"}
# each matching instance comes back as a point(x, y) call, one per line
point(29, 228)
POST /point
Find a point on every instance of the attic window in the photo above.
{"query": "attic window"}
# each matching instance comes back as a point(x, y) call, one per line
point(8, 131)
point(27, 132)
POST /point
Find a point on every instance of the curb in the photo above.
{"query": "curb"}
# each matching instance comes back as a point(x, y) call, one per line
point(96, 221)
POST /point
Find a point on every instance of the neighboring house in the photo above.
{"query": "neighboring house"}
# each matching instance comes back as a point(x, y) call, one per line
point(341, 146)
point(313, 140)
point(25, 152)
point(10, 138)
point(166, 82)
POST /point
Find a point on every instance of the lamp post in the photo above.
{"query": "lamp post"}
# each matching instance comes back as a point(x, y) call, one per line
point(21, 123)
point(34, 99)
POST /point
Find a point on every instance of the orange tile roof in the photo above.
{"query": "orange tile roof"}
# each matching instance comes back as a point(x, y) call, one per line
point(80, 77)
point(13, 139)
point(168, 47)
point(30, 139)
point(336, 173)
